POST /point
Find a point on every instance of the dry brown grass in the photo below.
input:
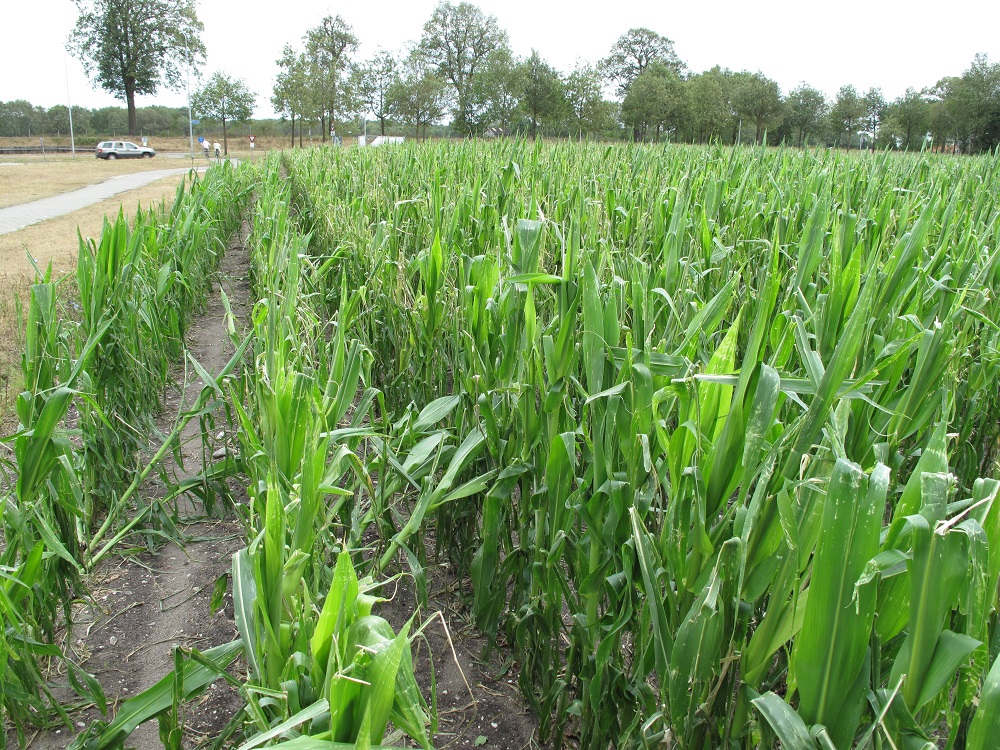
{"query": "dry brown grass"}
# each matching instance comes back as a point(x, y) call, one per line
point(54, 241)
point(31, 178)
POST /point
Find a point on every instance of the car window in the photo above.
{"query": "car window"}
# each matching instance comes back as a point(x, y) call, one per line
point(118, 144)
point(131, 146)
point(104, 144)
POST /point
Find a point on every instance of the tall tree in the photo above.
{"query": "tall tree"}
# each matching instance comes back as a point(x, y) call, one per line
point(806, 110)
point(757, 99)
point(711, 110)
point(654, 102)
point(542, 98)
point(634, 51)
point(291, 89)
point(909, 117)
point(372, 81)
point(131, 47)
point(496, 91)
point(874, 109)
point(457, 40)
point(588, 112)
point(969, 106)
point(225, 99)
point(419, 96)
point(328, 49)
point(847, 111)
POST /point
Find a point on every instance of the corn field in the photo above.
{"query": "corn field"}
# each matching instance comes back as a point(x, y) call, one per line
point(711, 436)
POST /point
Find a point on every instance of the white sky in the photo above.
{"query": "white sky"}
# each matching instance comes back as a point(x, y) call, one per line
point(892, 44)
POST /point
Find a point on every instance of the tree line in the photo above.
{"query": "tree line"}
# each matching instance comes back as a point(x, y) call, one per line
point(462, 70)
point(21, 119)
point(462, 73)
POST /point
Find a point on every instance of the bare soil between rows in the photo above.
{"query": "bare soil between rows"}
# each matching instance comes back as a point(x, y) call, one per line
point(143, 603)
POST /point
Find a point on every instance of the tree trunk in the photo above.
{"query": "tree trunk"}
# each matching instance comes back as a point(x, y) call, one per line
point(225, 141)
point(382, 121)
point(300, 132)
point(293, 130)
point(130, 102)
point(534, 129)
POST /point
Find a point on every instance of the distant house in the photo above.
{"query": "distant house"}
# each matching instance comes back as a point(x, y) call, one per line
point(496, 133)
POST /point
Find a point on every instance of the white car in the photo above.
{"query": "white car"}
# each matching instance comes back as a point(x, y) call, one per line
point(123, 150)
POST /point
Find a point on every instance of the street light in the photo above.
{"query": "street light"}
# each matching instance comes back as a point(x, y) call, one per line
point(190, 62)
point(69, 102)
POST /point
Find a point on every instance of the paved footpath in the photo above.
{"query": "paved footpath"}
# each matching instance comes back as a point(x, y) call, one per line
point(17, 217)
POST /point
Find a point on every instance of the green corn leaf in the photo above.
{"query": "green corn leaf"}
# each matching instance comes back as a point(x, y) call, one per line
point(789, 727)
point(985, 726)
point(306, 714)
point(153, 701)
point(830, 650)
point(244, 608)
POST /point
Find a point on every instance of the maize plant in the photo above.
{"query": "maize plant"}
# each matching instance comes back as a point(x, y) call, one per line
point(70, 488)
point(712, 434)
point(722, 417)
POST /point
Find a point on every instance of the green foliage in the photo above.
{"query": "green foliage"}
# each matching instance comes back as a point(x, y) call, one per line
point(543, 98)
point(635, 51)
point(224, 99)
point(131, 48)
point(681, 426)
point(456, 40)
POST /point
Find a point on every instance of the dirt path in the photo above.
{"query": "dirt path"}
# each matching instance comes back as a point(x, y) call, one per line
point(146, 604)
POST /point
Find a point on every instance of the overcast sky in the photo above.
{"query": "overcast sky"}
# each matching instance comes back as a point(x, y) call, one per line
point(891, 45)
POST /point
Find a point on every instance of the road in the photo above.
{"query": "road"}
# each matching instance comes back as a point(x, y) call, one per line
point(24, 215)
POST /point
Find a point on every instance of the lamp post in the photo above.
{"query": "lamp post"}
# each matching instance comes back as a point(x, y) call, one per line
point(190, 116)
point(69, 102)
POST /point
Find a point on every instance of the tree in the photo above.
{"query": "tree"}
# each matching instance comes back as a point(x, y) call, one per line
point(806, 110)
point(587, 110)
point(226, 99)
point(419, 96)
point(908, 117)
point(875, 105)
point(132, 47)
point(711, 110)
point(636, 50)
point(291, 89)
point(758, 99)
point(655, 101)
point(542, 98)
point(968, 107)
point(496, 91)
point(111, 121)
point(457, 40)
point(373, 80)
point(328, 47)
point(847, 110)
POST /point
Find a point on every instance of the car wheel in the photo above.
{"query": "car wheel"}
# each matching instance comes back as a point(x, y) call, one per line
point(147, 156)
point(112, 156)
